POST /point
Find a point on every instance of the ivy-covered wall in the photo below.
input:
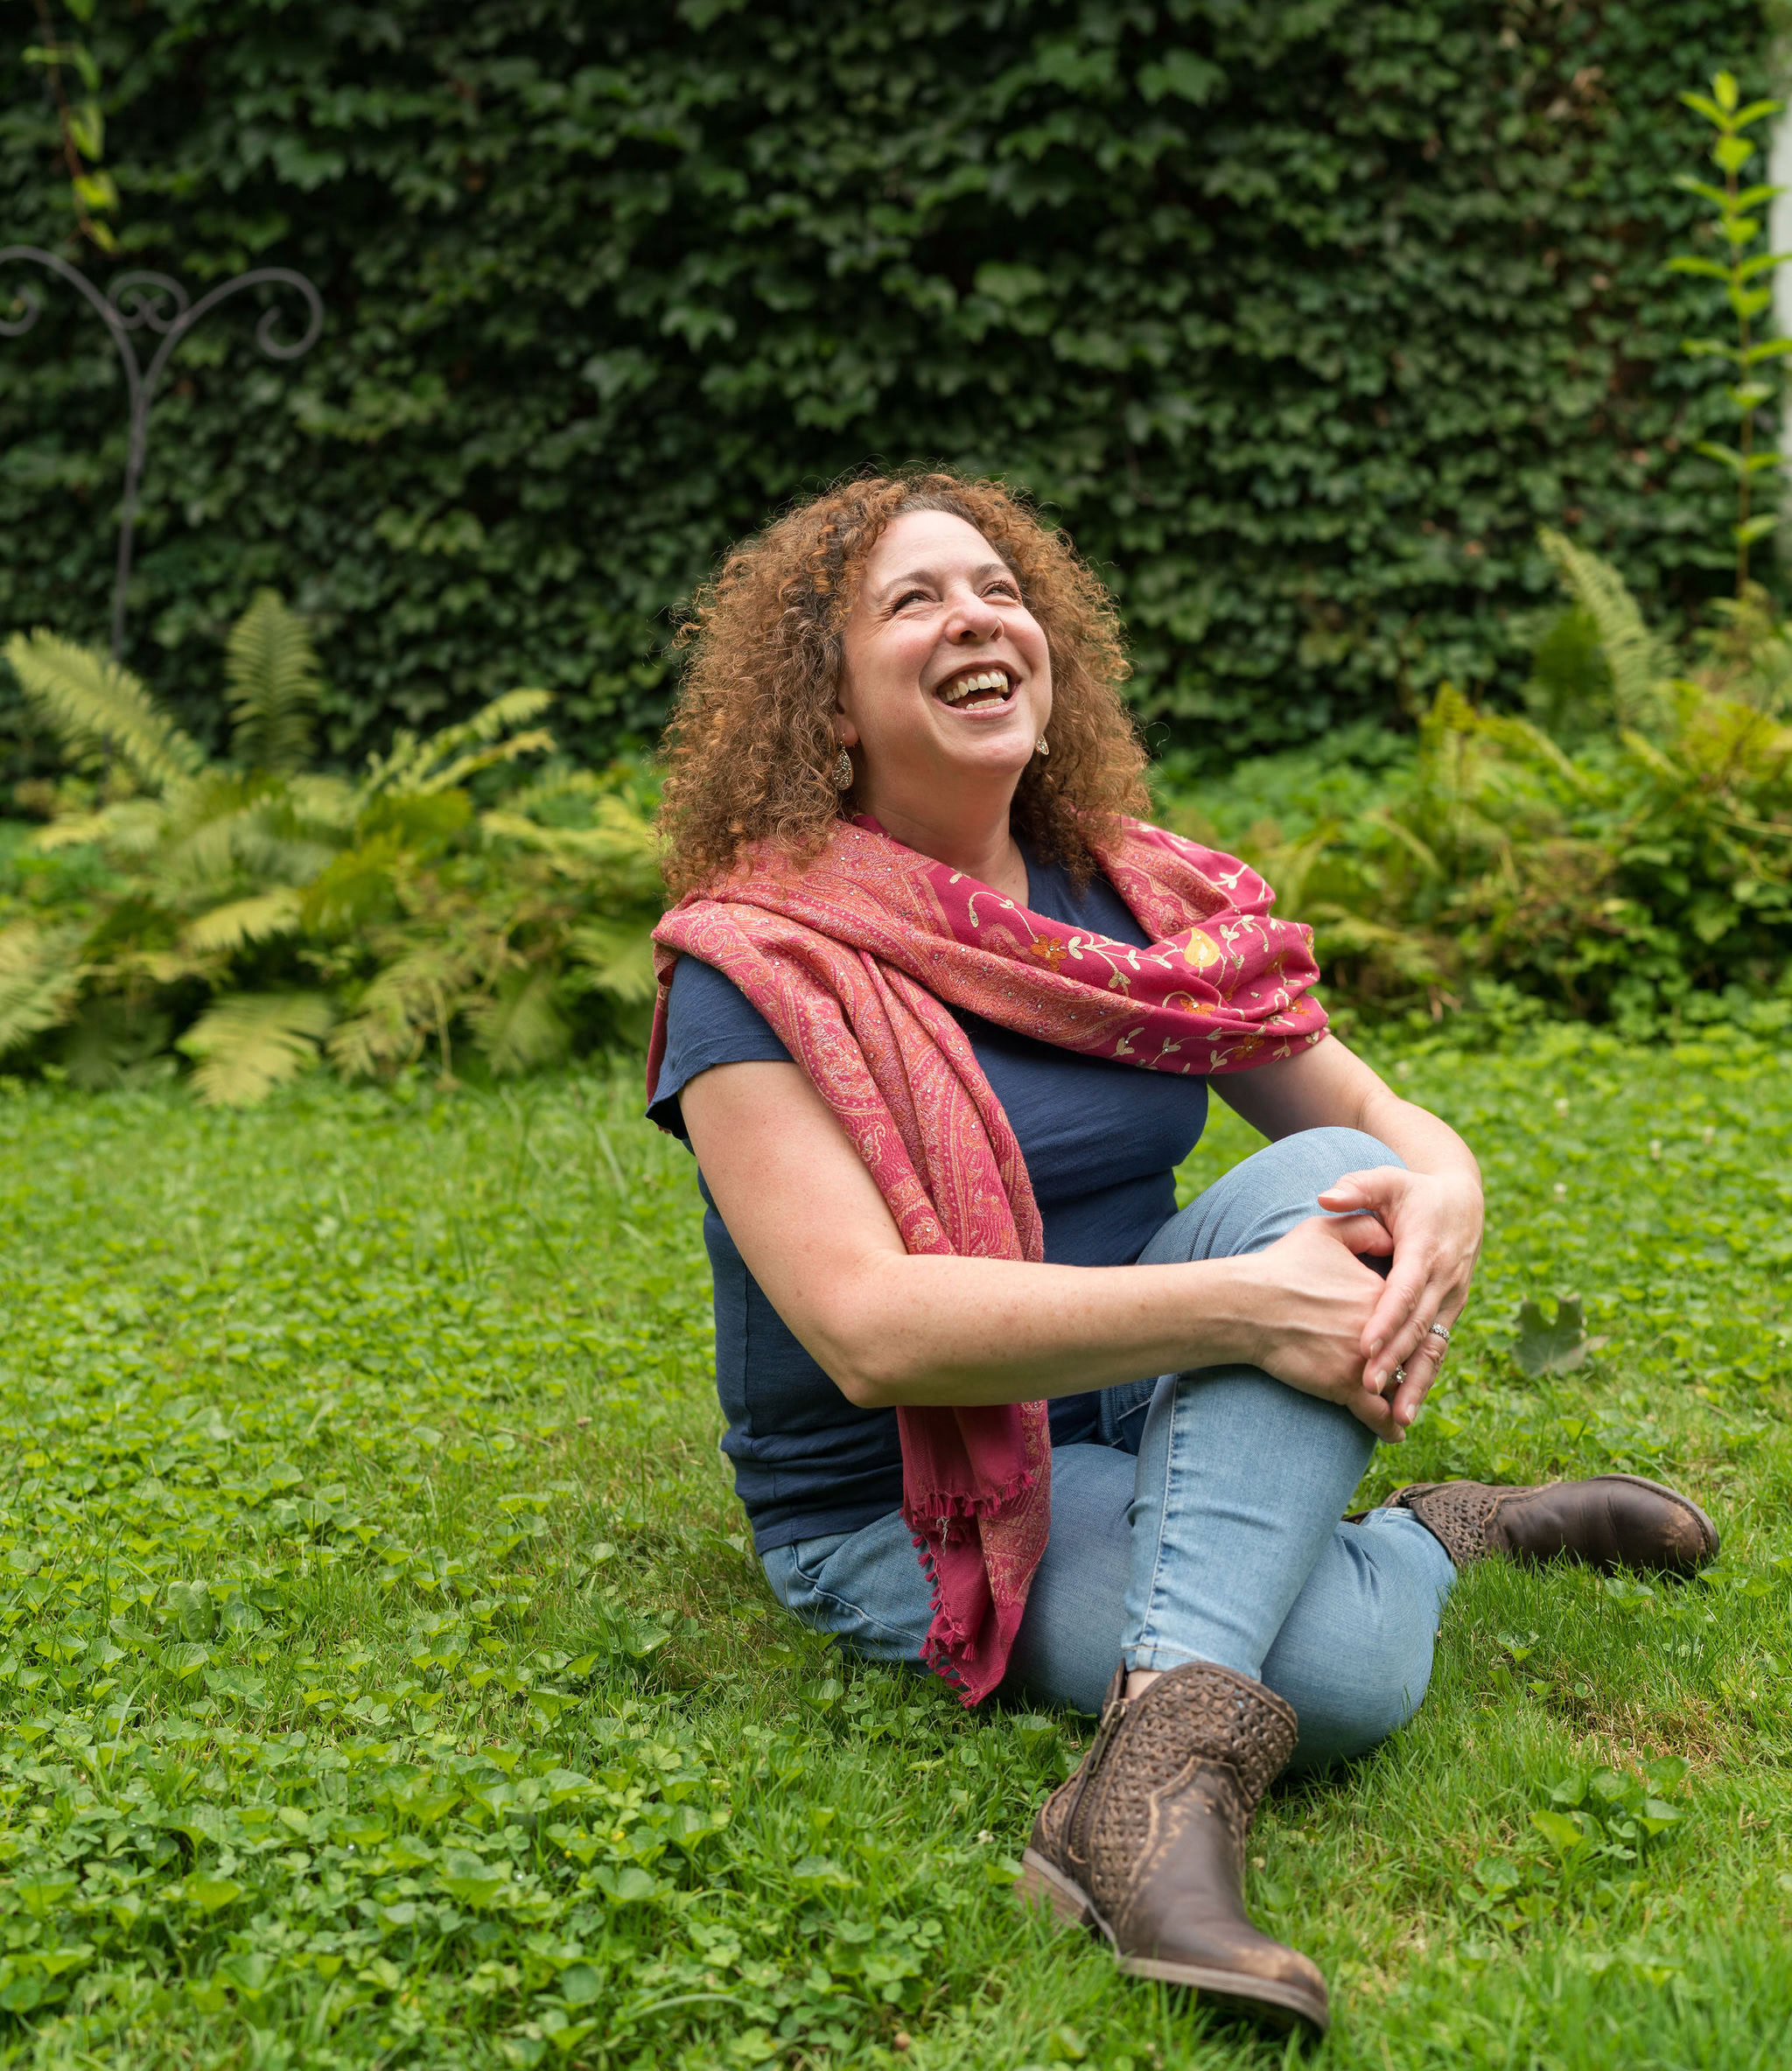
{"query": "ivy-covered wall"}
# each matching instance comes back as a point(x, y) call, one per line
point(1301, 313)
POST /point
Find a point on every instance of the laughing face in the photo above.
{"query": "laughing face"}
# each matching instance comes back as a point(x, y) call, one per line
point(948, 679)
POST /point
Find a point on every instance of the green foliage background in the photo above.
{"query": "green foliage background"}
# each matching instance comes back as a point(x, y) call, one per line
point(1301, 315)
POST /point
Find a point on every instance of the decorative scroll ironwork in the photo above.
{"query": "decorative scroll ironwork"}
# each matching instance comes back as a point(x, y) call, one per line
point(154, 303)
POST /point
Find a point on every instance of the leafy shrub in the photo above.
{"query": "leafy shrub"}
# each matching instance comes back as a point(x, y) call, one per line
point(1302, 318)
point(252, 910)
point(1638, 869)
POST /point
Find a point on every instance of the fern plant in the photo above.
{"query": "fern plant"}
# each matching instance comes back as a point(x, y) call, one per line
point(258, 913)
point(272, 674)
point(1642, 874)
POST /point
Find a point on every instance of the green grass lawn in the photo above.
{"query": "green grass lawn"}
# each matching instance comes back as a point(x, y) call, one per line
point(385, 1676)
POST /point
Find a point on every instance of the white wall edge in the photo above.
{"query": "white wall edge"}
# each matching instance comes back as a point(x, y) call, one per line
point(1780, 240)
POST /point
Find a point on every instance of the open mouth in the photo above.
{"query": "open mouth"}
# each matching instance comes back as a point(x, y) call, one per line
point(976, 689)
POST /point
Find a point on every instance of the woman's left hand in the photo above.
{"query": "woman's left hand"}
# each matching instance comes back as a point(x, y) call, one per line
point(1435, 1220)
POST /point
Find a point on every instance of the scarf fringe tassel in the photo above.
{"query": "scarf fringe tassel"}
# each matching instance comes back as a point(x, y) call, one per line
point(948, 1638)
point(937, 1510)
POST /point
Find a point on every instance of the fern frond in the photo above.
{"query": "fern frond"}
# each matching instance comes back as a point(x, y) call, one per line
point(538, 741)
point(1528, 741)
point(322, 801)
point(228, 829)
point(1289, 864)
point(416, 995)
point(560, 781)
point(94, 703)
point(1653, 760)
point(248, 1043)
point(391, 771)
point(356, 883)
point(378, 1038)
point(272, 672)
point(70, 833)
point(503, 715)
point(457, 750)
point(201, 851)
point(264, 846)
point(109, 1043)
point(241, 921)
point(514, 826)
point(620, 956)
point(519, 1027)
point(1625, 640)
point(620, 836)
point(1408, 954)
point(134, 826)
point(1420, 851)
point(40, 976)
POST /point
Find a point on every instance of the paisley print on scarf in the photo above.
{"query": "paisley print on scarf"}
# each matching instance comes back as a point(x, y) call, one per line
point(854, 960)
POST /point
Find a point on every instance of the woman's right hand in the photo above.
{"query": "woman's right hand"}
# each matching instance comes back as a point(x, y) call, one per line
point(1317, 1298)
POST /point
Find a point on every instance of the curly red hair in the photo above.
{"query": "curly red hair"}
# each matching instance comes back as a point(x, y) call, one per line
point(750, 752)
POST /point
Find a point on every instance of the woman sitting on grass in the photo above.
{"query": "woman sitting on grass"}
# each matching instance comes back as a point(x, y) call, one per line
point(938, 1016)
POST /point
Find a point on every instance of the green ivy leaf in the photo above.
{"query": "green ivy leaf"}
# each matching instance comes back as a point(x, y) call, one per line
point(1550, 1344)
point(626, 1887)
point(211, 1894)
point(821, 1872)
point(470, 1878)
point(1563, 1834)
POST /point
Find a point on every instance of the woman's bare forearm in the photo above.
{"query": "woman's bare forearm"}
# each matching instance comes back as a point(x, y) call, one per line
point(892, 1328)
point(1416, 1137)
point(929, 1329)
point(971, 1330)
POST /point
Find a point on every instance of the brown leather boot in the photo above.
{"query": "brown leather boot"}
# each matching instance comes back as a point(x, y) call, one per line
point(1146, 1841)
point(1613, 1520)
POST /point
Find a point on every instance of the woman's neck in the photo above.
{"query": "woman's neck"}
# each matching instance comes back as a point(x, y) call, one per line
point(984, 848)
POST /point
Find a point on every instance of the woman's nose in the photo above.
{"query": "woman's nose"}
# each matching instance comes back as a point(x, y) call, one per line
point(973, 621)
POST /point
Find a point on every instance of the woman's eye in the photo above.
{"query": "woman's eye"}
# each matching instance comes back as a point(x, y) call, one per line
point(908, 598)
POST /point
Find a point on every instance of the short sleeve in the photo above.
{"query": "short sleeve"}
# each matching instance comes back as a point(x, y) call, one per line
point(708, 1021)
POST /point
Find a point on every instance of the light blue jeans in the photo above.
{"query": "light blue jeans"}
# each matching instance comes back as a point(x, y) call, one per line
point(1204, 1525)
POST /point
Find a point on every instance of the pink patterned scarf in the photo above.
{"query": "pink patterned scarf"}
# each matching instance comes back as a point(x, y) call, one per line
point(854, 960)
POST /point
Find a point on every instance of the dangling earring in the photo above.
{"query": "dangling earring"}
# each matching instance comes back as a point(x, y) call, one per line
point(842, 771)
point(1042, 746)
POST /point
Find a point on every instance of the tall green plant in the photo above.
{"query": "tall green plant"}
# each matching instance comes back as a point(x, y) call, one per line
point(1746, 279)
point(254, 912)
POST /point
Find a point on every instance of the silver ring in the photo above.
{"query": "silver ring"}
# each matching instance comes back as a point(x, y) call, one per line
point(1438, 1330)
point(1399, 1376)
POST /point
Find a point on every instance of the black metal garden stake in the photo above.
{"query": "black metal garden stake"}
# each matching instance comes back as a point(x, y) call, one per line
point(154, 302)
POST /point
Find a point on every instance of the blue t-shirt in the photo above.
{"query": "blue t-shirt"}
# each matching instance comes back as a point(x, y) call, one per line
point(1100, 1140)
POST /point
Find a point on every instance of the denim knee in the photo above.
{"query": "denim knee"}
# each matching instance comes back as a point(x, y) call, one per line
point(1294, 1170)
point(865, 1587)
point(1350, 1714)
point(1262, 1198)
point(1316, 1158)
point(1354, 1656)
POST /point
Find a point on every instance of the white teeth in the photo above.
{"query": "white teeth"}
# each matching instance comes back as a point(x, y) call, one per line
point(964, 686)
